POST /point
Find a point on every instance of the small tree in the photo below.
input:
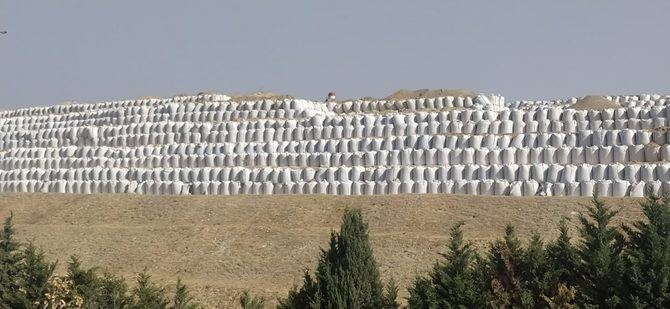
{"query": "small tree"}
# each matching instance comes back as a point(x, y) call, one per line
point(97, 291)
point(11, 293)
point(504, 258)
point(422, 294)
point(562, 255)
point(600, 263)
point(182, 298)
point(647, 259)
point(149, 295)
point(452, 283)
point(249, 302)
point(36, 273)
point(347, 275)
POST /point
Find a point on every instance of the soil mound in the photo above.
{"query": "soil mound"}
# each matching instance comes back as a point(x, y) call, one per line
point(405, 94)
point(260, 96)
point(594, 102)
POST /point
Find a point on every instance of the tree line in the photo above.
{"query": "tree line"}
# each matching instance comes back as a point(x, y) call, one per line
point(605, 266)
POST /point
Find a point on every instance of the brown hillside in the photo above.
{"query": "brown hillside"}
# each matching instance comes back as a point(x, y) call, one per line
point(222, 245)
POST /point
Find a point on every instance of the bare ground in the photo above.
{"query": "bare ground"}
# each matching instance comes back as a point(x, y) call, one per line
point(222, 245)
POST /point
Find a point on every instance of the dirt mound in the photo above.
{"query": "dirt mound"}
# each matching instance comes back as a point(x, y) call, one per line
point(405, 94)
point(594, 102)
point(260, 96)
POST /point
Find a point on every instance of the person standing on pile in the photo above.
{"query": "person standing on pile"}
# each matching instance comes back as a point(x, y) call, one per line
point(331, 97)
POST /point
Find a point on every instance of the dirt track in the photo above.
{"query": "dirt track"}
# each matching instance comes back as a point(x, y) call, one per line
point(221, 245)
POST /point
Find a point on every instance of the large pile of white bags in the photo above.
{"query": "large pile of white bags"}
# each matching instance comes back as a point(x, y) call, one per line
point(208, 144)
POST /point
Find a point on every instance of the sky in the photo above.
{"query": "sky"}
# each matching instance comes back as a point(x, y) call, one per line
point(90, 51)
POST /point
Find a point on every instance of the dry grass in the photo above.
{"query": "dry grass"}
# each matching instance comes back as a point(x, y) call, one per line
point(222, 245)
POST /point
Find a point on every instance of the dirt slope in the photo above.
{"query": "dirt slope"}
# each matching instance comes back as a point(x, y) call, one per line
point(222, 245)
point(594, 102)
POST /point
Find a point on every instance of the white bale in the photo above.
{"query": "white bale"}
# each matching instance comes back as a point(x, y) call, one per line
point(558, 189)
point(648, 173)
point(637, 189)
point(604, 188)
point(530, 188)
point(487, 187)
point(516, 189)
point(501, 187)
point(620, 188)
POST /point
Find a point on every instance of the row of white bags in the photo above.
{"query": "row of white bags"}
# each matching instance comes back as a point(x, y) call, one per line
point(317, 116)
point(424, 142)
point(486, 187)
point(93, 137)
point(482, 156)
point(514, 172)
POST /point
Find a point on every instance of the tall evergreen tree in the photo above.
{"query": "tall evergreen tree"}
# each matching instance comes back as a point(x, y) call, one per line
point(647, 258)
point(149, 295)
point(36, 272)
point(97, 291)
point(505, 257)
point(535, 271)
point(562, 256)
point(347, 275)
point(182, 298)
point(600, 262)
point(422, 294)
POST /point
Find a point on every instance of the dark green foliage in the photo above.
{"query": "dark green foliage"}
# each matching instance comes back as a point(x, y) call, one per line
point(452, 283)
point(347, 275)
point(10, 269)
point(647, 262)
point(389, 299)
point(305, 297)
point(505, 258)
point(98, 292)
point(562, 256)
point(183, 298)
point(422, 294)
point(249, 302)
point(36, 273)
point(23, 271)
point(148, 295)
point(600, 263)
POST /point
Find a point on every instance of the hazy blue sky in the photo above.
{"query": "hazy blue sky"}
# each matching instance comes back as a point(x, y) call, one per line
point(92, 50)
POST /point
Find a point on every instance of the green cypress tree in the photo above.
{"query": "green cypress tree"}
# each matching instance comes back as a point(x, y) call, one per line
point(12, 292)
point(182, 298)
point(600, 266)
point(505, 257)
point(536, 272)
point(390, 296)
point(36, 273)
point(347, 275)
point(149, 295)
point(422, 294)
point(305, 297)
point(562, 256)
point(97, 291)
point(647, 260)
point(249, 302)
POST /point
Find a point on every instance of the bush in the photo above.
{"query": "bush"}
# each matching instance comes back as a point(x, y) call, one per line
point(346, 275)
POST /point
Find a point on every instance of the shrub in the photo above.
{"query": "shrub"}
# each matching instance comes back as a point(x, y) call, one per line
point(346, 275)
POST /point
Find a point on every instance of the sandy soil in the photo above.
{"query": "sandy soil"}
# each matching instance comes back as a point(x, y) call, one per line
point(594, 102)
point(404, 94)
point(222, 245)
point(259, 96)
